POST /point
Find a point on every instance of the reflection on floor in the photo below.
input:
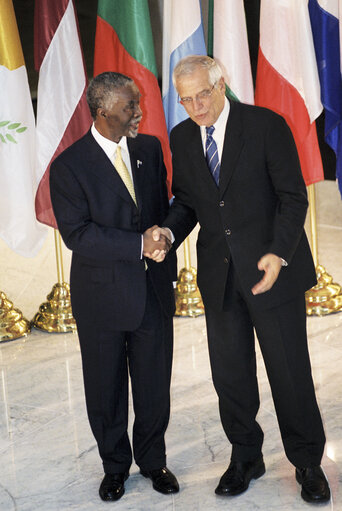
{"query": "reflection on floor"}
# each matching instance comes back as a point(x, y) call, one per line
point(49, 460)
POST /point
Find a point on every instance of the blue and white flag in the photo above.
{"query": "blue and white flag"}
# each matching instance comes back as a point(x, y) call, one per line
point(182, 35)
point(326, 16)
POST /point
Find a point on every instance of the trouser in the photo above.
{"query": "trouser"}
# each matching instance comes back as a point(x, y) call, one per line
point(108, 358)
point(281, 333)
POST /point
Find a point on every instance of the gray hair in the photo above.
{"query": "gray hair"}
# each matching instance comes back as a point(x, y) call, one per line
point(102, 88)
point(189, 64)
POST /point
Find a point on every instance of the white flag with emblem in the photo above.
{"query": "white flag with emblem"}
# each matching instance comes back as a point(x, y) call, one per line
point(18, 182)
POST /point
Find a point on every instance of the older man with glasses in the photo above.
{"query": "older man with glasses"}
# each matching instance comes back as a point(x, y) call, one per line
point(236, 172)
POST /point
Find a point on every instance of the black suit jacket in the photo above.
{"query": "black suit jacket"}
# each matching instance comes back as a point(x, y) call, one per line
point(259, 207)
point(100, 223)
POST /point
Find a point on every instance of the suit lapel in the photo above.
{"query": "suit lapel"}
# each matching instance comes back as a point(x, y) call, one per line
point(138, 162)
point(102, 168)
point(233, 144)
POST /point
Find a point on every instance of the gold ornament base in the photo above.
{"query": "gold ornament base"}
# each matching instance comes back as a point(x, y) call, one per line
point(12, 323)
point(325, 297)
point(188, 298)
point(55, 315)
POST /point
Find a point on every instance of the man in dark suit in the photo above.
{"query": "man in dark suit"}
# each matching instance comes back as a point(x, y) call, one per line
point(236, 172)
point(106, 190)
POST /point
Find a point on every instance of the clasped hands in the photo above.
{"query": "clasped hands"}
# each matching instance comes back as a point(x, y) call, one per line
point(157, 243)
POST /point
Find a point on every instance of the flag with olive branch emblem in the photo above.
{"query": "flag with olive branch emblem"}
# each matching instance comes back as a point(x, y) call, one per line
point(18, 180)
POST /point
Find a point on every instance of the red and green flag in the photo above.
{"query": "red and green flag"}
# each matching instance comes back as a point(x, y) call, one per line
point(124, 43)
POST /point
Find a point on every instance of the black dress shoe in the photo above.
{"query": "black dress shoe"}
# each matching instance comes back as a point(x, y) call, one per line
point(315, 487)
point(163, 480)
point(237, 477)
point(113, 486)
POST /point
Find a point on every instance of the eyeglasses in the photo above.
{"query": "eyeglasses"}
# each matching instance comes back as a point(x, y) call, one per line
point(201, 96)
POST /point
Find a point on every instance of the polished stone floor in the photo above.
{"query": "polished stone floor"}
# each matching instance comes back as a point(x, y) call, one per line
point(49, 459)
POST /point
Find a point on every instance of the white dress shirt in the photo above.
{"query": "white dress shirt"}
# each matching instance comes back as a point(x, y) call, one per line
point(220, 130)
point(109, 148)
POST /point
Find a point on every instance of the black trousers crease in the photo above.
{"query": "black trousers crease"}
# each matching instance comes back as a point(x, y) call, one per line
point(109, 358)
point(281, 332)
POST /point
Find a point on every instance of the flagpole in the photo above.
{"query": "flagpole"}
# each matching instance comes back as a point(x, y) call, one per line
point(210, 45)
point(187, 295)
point(326, 297)
point(55, 315)
point(59, 260)
point(57, 234)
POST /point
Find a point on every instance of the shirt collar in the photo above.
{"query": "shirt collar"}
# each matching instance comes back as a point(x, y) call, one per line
point(220, 124)
point(108, 145)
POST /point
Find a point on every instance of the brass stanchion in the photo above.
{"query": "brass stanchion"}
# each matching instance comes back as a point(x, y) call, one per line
point(55, 315)
point(12, 323)
point(326, 296)
point(188, 298)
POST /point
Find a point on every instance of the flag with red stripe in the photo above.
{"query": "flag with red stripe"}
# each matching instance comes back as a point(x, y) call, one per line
point(287, 78)
point(124, 43)
point(62, 111)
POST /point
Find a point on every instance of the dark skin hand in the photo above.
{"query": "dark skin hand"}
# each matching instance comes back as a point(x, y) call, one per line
point(155, 249)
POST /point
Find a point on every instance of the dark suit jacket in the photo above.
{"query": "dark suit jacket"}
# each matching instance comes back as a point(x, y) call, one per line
point(100, 223)
point(259, 207)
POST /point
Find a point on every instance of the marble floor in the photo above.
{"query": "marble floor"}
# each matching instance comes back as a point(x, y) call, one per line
point(48, 457)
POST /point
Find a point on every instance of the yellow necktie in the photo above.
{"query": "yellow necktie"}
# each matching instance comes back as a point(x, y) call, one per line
point(123, 173)
point(122, 170)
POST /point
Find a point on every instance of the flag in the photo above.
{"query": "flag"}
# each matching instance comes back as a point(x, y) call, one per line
point(228, 31)
point(182, 36)
point(287, 78)
point(62, 112)
point(325, 22)
point(124, 43)
point(18, 180)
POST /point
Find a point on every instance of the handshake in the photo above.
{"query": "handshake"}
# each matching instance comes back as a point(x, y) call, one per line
point(156, 243)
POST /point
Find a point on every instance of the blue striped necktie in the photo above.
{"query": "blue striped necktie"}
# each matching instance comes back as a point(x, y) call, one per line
point(212, 155)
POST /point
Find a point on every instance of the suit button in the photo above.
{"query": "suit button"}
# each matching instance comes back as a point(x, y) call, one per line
point(228, 232)
point(221, 203)
point(226, 260)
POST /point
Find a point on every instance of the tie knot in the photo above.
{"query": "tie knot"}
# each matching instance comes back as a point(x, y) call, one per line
point(210, 130)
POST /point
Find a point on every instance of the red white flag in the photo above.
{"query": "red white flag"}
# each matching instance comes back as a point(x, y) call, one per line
point(62, 111)
point(287, 77)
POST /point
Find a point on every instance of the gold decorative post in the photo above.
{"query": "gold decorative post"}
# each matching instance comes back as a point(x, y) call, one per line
point(12, 323)
point(188, 298)
point(326, 296)
point(55, 315)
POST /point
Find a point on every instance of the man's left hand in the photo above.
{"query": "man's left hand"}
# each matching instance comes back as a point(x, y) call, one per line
point(271, 265)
